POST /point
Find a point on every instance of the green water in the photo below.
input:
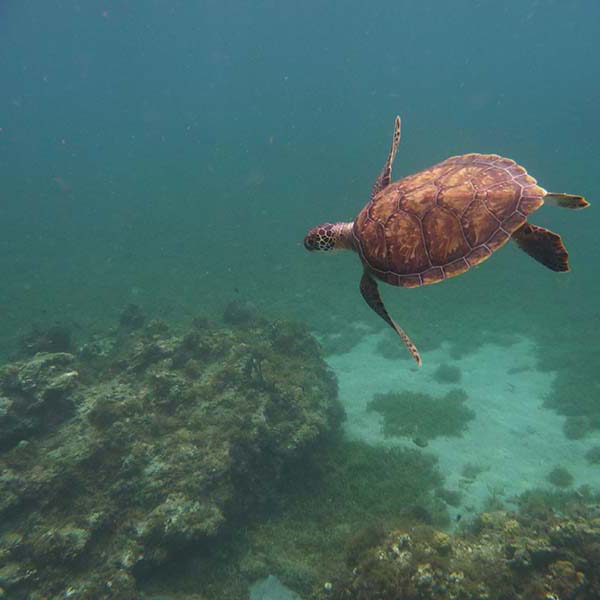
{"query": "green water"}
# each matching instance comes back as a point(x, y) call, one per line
point(169, 154)
point(173, 155)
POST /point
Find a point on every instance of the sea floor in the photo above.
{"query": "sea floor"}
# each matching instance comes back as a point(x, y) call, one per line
point(513, 440)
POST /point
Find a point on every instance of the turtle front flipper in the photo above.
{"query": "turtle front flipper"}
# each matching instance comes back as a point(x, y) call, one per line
point(370, 292)
point(543, 245)
point(386, 173)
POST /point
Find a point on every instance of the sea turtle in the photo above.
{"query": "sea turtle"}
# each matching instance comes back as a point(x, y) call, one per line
point(442, 221)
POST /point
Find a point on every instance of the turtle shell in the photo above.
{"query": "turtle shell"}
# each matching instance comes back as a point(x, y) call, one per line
point(442, 221)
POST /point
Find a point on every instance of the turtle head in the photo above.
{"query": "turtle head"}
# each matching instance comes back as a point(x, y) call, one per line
point(330, 236)
point(320, 238)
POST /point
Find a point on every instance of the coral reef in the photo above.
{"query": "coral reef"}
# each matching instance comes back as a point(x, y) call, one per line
point(35, 395)
point(342, 340)
point(421, 415)
point(560, 477)
point(576, 428)
point(240, 313)
point(471, 471)
point(475, 337)
point(446, 373)
point(593, 455)
point(542, 503)
point(146, 444)
point(346, 498)
point(132, 318)
point(389, 348)
point(575, 389)
point(56, 338)
point(500, 556)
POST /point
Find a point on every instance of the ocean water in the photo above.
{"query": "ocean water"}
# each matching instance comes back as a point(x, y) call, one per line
point(173, 155)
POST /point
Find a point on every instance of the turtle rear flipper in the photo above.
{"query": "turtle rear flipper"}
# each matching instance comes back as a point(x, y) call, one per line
point(543, 245)
point(566, 200)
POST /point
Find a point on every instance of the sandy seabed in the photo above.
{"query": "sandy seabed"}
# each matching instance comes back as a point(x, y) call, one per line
point(513, 438)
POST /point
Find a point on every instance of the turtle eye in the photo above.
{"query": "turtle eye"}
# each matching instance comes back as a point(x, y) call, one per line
point(309, 243)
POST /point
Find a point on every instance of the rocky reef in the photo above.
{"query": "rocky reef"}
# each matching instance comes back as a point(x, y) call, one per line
point(143, 445)
point(500, 556)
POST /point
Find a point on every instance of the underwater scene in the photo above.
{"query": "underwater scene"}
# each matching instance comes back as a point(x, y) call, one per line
point(225, 372)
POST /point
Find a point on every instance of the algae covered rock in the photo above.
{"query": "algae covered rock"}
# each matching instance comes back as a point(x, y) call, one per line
point(426, 417)
point(160, 443)
point(55, 338)
point(35, 394)
point(501, 556)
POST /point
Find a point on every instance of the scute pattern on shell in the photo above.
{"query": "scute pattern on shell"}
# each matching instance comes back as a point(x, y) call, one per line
point(442, 221)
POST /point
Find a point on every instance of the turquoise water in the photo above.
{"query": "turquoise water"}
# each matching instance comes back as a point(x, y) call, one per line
point(173, 155)
point(195, 145)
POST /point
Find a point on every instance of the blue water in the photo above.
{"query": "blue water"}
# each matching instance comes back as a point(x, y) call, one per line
point(173, 155)
point(170, 152)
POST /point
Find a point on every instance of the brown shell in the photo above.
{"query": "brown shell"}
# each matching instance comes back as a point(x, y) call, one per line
point(442, 221)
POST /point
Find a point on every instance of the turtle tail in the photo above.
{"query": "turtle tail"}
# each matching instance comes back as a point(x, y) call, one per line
point(566, 200)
